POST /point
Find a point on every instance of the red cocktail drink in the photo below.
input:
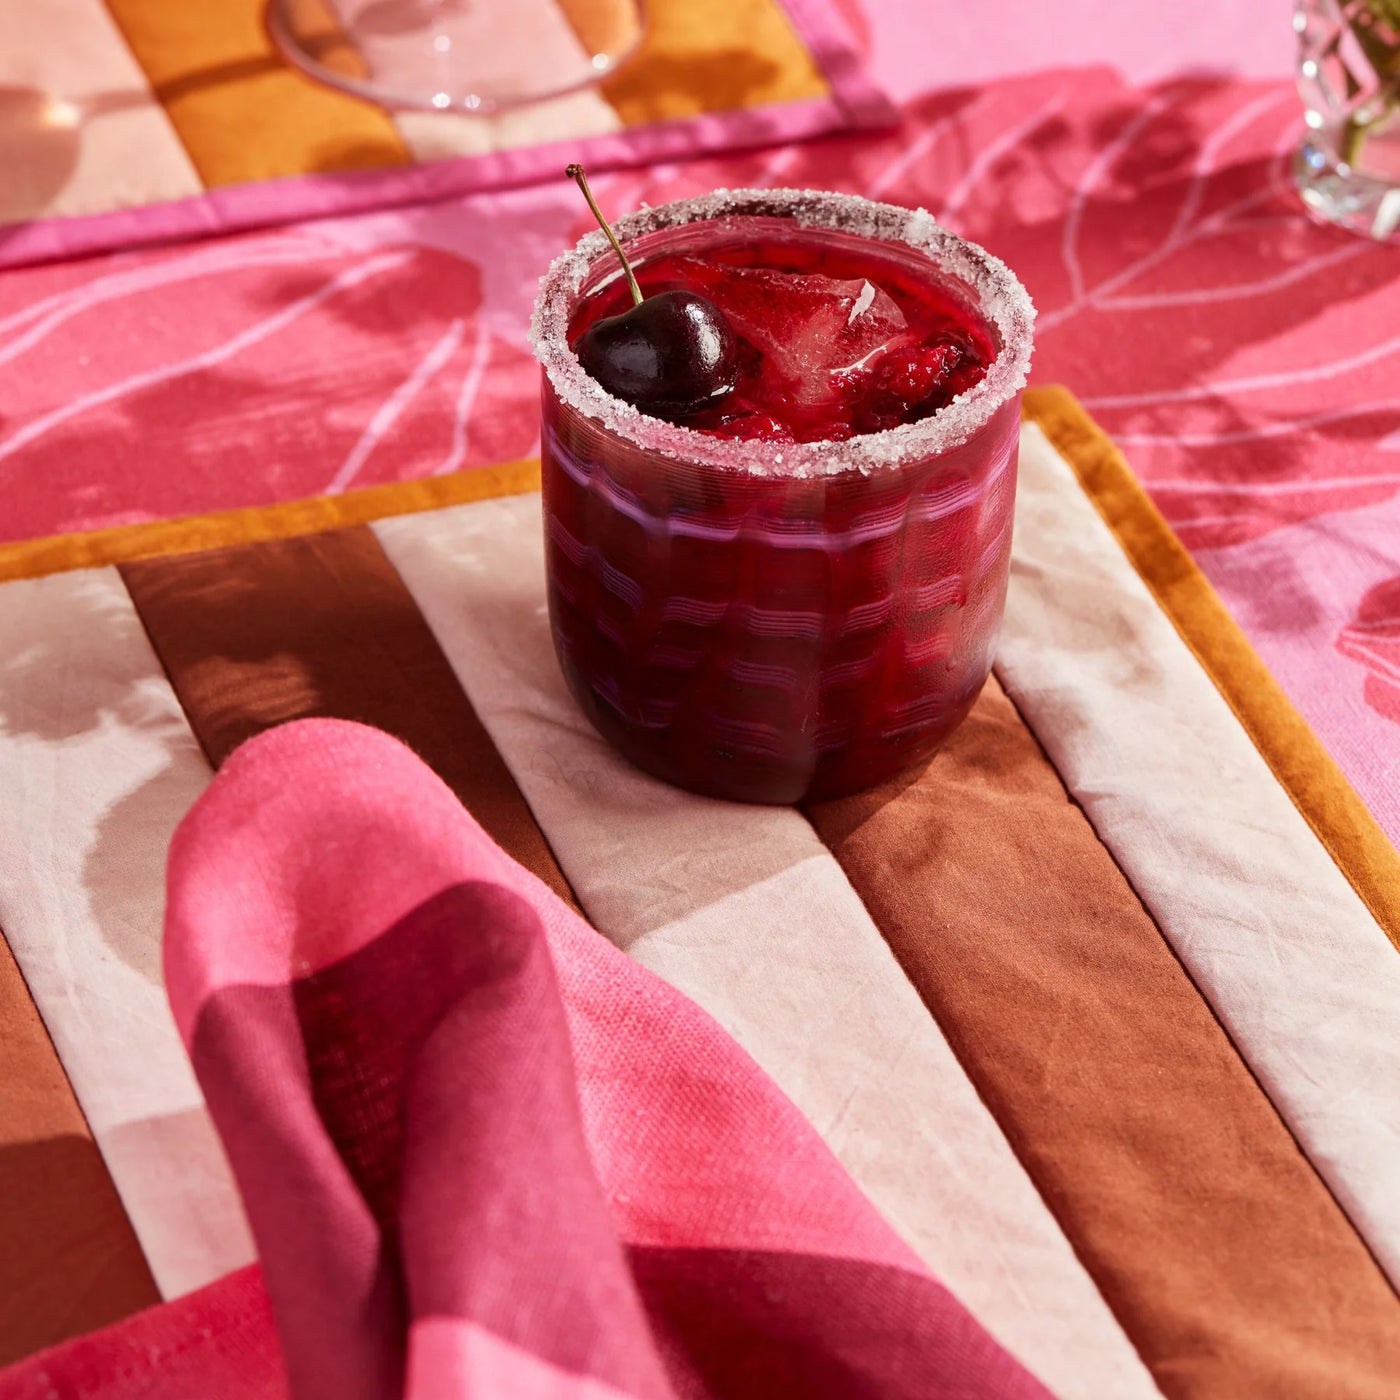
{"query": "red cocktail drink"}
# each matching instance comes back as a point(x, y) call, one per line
point(794, 592)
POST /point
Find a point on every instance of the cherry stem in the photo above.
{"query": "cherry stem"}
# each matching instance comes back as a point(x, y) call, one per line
point(575, 173)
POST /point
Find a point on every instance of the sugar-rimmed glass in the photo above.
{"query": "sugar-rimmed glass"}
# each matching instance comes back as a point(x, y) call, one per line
point(773, 621)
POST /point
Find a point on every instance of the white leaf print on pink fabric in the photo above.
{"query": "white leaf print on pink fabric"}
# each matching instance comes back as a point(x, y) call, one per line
point(1372, 637)
point(258, 368)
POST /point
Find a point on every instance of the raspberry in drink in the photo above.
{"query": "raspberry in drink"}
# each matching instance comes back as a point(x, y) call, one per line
point(781, 575)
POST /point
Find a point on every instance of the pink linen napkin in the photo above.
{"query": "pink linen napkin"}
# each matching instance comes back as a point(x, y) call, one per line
point(483, 1153)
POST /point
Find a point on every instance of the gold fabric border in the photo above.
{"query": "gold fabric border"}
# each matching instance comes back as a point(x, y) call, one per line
point(56, 554)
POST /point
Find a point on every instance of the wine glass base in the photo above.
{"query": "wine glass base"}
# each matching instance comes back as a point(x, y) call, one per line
point(1336, 193)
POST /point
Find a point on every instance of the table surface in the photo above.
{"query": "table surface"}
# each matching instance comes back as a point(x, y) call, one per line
point(1130, 164)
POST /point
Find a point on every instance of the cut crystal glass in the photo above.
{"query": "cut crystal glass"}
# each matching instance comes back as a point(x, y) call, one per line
point(1347, 168)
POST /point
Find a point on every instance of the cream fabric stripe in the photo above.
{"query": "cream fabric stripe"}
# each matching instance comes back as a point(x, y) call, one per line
point(525, 36)
point(443, 135)
point(97, 766)
point(85, 132)
point(745, 910)
point(1299, 973)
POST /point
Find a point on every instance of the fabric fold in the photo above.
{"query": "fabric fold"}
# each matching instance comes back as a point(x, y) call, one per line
point(483, 1152)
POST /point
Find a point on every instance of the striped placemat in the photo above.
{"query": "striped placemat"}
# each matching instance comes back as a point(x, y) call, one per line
point(140, 121)
point(1098, 1008)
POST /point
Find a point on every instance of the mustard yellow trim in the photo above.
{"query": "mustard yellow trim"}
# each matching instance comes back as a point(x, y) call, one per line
point(58, 553)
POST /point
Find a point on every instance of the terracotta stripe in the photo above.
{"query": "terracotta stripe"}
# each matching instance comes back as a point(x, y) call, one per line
point(1289, 958)
point(240, 110)
point(92, 549)
point(1307, 772)
point(255, 635)
point(1210, 1235)
point(69, 1261)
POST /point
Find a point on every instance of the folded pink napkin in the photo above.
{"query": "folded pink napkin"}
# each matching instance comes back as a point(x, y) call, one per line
point(484, 1154)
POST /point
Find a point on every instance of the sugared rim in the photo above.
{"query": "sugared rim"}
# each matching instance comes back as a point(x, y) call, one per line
point(1002, 298)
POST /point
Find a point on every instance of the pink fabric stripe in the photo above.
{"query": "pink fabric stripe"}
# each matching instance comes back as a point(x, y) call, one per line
point(215, 1344)
point(856, 104)
point(452, 1356)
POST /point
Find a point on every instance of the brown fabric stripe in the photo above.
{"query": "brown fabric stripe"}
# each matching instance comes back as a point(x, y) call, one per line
point(255, 635)
point(1307, 772)
point(1230, 1265)
point(69, 1260)
point(55, 554)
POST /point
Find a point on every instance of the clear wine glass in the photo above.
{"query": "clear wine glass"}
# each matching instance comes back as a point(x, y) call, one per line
point(467, 56)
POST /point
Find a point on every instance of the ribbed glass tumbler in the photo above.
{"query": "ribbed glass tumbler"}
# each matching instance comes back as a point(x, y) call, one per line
point(766, 621)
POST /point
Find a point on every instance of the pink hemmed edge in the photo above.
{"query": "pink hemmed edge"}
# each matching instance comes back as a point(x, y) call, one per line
point(856, 104)
point(456, 1356)
point(867, 106)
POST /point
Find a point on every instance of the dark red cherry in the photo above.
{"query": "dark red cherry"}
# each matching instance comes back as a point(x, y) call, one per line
point(670, 354)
